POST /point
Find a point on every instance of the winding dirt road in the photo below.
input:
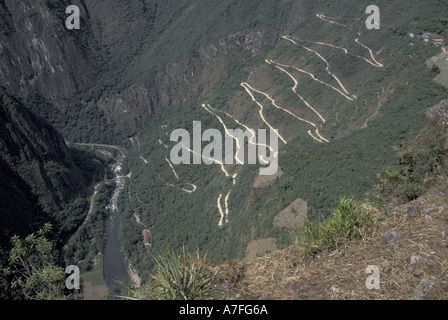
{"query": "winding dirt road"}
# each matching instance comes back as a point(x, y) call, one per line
point(296, 84)
point(248, 88)
point(327, 68)
point(374, 62)
point(325, 18)
point(252, 139)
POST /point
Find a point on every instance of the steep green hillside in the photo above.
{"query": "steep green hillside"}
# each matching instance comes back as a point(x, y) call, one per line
point(364, 90)
point(36, 155)
point(43, 181)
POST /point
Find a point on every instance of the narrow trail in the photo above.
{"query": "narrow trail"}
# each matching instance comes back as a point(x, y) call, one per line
point(161, 142)
point(320, 136)
point(375, 62)
point(314, 137)
point(136, 216)
point(327, 19)
point(226, 204)
point(138, 148)
point(224, 213)
point(381, 100)
point(194, 187)
point(221, 212)
point(172, 168)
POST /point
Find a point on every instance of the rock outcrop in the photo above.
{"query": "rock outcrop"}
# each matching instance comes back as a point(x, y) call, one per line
point(38, 54)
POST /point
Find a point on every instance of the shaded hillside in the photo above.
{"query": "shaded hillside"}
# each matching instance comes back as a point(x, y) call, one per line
point(40, 166)
point(42, 180)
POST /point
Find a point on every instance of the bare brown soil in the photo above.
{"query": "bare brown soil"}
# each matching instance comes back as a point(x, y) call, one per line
point(292, 274)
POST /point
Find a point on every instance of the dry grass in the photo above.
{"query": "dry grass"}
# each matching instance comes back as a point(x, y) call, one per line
point(293, 274)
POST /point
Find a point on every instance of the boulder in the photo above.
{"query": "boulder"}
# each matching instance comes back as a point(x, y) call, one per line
point(424, 290)
point(413, 210)
point(417, 258)
point(390, 237)
point(437, 193)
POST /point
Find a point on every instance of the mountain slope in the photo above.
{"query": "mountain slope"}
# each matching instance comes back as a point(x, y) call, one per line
point(40, 176)
point(341, 97)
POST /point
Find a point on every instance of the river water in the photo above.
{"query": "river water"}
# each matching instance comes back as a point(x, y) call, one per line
point(115, 268)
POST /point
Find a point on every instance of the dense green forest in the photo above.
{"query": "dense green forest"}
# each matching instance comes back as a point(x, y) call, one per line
point(318, 173)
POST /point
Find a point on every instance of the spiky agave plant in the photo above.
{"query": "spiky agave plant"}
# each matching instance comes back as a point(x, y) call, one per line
point(184, 275)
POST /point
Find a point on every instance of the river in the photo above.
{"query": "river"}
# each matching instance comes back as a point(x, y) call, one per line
point(115, 268)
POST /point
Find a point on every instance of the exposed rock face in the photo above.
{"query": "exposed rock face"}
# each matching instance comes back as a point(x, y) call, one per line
point(39, 54)
point(25, 136)
point(413, 210)
point(424, 290)
point(128, 107)
point(182, 80)
point(418, 258)
point(440, 111)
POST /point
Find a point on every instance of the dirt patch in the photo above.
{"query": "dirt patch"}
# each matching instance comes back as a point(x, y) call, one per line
point(259, 247)
point(440, 61)
point(98, 292)
point(294, 216)
point(135, 278)
point(264, 181)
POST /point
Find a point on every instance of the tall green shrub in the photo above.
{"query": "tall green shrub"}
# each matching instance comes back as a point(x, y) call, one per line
point(349, 221)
